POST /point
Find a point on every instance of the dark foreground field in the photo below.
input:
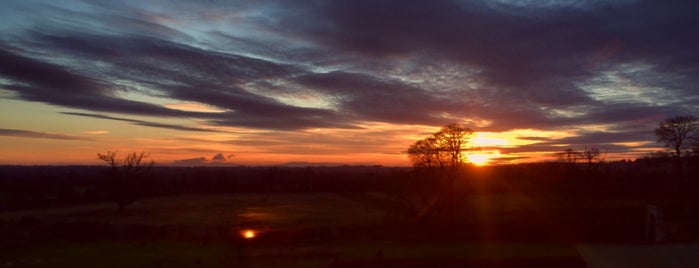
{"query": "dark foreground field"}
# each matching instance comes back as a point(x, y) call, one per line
point(293, 230)
point(549, 216)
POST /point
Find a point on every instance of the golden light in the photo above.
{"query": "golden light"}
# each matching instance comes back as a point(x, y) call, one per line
point(482, 158)
point(248, 234)
point(488, 139)
point(512, 138)
point(194, 107)
point(478, 159)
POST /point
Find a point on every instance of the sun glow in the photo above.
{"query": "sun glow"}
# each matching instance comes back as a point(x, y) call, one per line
point(488, 139)
point(482, 158)
point(513, 138)
point(478, 159)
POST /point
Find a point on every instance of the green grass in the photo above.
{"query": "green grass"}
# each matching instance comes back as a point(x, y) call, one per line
point(187, 254)
point(275, 210)
point(640, 256)
point(504, 208)
point(119, 254)
point(458, 250)
point(298, 210)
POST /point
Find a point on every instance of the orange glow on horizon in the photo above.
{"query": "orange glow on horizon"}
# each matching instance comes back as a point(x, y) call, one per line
point(513, 138)
point(371, 143)
point(482, 158)
point(488, 139)
point(478, 159)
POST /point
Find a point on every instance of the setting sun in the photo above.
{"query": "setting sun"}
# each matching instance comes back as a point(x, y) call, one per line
point(333, 110)
point(478, 159)
point(238, 133)
point(481, 158)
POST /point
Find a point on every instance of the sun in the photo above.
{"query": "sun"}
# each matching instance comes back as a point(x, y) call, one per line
point(478, 159)
point(482, 158)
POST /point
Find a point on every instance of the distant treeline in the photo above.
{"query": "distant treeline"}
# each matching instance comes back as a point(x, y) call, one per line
point(35, 186)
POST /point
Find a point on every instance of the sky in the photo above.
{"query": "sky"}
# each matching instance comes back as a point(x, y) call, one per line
point(339, 81)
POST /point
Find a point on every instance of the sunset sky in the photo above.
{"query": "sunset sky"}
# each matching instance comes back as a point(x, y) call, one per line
point(356, 82)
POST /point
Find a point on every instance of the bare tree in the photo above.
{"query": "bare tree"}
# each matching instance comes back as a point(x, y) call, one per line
point(678, 133)
point(424, 153)
point(452, 139)
point(592, 155)
point(441, 151)
point(124, 175)
point(569, 156)
point(110, 158)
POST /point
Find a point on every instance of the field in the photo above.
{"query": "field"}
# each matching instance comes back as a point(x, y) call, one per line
point(292, 230)
point(641, 256)
point(539, 215)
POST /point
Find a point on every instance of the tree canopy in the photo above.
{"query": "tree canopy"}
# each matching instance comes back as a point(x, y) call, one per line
point(678, 133)
point(442, 149)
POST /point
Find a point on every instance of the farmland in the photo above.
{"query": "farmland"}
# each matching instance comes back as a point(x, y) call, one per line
point(293, 229)
point(521, 216)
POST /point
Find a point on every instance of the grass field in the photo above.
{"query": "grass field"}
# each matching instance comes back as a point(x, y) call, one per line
point(37, 246)
point(276, 210)
point(641, 256)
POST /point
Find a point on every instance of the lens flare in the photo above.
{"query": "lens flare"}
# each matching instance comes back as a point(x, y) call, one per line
point(248, 234)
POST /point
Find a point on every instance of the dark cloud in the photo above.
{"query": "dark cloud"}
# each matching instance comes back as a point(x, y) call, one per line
point(39, 135)
point(372, 98)
point(508, 65)
point(622, 113)
point(144, 123)
point(219, 157)
point(217, 160)
point(514, 52)
point(45, 75)
point(36, 80)
point(529, 58)
point(197, 161)
point(594, 139)
point(606, 141)
point(173, 70)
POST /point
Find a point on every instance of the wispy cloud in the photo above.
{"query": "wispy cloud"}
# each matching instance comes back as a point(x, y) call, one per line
point(40, 135)
point(288, 67)
point(144, 123)
point(96, 132)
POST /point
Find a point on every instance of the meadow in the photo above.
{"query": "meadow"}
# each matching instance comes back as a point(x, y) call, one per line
point(292, 230)
point(518, 216)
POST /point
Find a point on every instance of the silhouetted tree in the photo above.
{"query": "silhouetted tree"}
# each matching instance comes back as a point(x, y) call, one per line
point(569, 156)
point(452, 139)
point(442, 151)
point(592, 155)
point(124, 175)
point(678, 133)
point(424, 153)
